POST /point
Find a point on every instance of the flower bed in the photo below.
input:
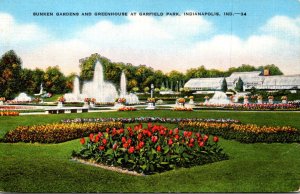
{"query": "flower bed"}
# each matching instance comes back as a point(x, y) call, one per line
point(246, 133)
point(256, 107)
point(16, 107)
point(9, 113)
point(151, 100)
point(181, 100)
point(182, 109)
point(150, 150)
point(56, 132)
point(121, 100)
point(148, 119)
point(126, 108)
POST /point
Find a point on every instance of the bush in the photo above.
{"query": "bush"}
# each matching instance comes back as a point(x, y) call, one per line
point(56, 132)
point(150, 150)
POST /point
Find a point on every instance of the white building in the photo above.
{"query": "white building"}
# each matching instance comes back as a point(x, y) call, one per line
point(250, 80)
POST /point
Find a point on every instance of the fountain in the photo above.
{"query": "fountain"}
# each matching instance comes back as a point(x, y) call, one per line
point(23, 97)
point(219, 98)
point(41, 90)
point(75, 96)
point(99, 89)
point(130, 98)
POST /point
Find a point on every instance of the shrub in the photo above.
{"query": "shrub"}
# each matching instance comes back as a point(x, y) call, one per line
point(56, 132)
point(150, 150)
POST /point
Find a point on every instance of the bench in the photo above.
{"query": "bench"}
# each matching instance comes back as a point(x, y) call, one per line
point(66, 110)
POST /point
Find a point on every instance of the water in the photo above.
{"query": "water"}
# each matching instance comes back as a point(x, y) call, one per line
point(219, 98)
point(123, 84)
point(23, 97)
point(98, 88)
point(75, 96)
point(103, 91)
point(130, 98)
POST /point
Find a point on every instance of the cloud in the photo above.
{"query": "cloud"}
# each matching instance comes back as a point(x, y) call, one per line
point(283, 26)
point(167, 43)
point(12, 33)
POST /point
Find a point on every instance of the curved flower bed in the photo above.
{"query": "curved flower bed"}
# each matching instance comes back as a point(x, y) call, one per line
point(148, 119)
point(9, 113)
point(182, 109)
point(17, 102)
point(16, 107)
point(56, 132)
point(246, 133)
point(256, 107)
point(126, 108)
point(150, 150)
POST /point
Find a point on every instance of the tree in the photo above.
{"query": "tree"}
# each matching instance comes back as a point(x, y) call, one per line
point(69, 82)
point(239, 85)
point(10, 74)
point(224, 85)
point(146, 89)
point(135, 89)
point(55, 81)
point(32, 79)
point(274, 70)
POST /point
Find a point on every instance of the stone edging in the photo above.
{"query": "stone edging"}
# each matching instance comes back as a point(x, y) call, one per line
point(112, 168)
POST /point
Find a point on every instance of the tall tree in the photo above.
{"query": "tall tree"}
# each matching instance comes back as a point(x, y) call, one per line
point(239, 85)
point(224, 85)
point(10, 74)
point(55, 81)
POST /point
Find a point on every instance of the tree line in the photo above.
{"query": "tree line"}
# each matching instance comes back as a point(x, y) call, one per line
point(15, 79)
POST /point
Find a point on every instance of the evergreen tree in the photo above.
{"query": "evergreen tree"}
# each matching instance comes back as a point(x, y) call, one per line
point(239, 85)
point(224, 85)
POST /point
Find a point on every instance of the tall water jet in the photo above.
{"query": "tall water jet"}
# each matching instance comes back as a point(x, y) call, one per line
point(75, 96)
point(219, 98)
point(130, 98)
point(123, 84)
point(99, 89)
point(76, 87)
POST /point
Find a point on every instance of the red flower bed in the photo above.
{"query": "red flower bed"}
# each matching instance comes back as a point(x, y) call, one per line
point(9, 113)
point(151, 149)
point(126, 108)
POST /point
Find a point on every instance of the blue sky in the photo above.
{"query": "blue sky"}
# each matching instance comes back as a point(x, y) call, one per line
point(270, 33)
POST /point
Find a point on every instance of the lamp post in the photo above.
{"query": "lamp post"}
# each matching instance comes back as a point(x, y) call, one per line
point(152, 87)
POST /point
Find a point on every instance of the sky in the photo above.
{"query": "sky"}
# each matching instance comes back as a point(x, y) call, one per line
point(268, 32)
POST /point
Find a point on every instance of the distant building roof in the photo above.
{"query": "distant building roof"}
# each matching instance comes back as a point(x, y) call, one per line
point(204, 83)
point(250, 79)
point(280, 82)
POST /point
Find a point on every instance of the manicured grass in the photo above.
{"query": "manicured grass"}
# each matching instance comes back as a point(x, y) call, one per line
point(251, 168)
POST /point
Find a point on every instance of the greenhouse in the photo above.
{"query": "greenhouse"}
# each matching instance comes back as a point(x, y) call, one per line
point(280, 82)
point(195, 84)
point(250, 80)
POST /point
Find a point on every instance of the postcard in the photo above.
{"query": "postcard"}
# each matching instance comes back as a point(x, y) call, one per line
point(149, 96)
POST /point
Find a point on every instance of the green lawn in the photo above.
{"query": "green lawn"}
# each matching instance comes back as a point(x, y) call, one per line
point(251, 167)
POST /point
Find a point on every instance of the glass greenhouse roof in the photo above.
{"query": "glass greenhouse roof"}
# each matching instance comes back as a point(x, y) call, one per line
point(204, 83)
